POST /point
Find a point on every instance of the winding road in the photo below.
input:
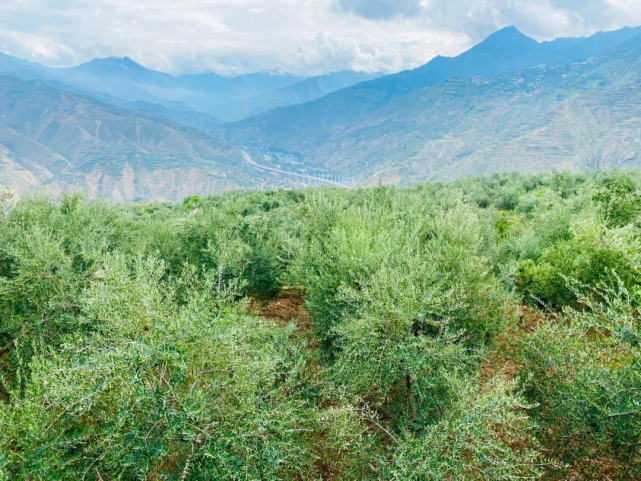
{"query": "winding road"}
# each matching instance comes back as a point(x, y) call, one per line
point(256, 165)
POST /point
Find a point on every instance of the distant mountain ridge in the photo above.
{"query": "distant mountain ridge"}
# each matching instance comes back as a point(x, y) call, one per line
point(53, 138)
point(296, 94)
point(366, 130)
point(509, 103)
point(504, 51)
point(127, 84)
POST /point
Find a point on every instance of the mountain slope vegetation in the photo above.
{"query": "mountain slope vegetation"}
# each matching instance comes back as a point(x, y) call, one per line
point(486, 328)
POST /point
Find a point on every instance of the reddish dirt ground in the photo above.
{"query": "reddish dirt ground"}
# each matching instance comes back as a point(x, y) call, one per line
point(499, 361)
point(287, 308)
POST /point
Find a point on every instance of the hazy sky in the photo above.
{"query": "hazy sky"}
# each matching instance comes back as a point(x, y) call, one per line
point(298, 36)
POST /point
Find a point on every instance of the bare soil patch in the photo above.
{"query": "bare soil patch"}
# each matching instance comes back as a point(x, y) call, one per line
point(500, 361)
point(287, 309)
point(284, 310)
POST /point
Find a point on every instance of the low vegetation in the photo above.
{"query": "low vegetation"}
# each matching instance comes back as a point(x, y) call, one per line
point(487, 328)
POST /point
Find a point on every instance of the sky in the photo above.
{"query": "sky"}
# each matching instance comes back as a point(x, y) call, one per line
point(301, 37)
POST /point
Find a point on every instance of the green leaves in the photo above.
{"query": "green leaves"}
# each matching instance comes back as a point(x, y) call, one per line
point(127, 351)
point(483, 436)
point(582, 372)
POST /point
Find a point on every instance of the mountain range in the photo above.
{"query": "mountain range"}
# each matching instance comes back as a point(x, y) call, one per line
point(56, 139)
point(429, 122)
point(128, 133)
point(210, 98)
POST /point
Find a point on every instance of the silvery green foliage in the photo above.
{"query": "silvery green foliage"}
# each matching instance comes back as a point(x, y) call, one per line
point(129, 350)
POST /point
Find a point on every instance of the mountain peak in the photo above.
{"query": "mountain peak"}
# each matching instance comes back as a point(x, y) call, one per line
point(508, 30)
point(115, 62)
point(508, 41)
point(508, 34)
point(131, 63)
point(123, 67)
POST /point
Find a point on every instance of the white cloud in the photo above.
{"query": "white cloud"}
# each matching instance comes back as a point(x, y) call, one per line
point(35, 47)
point(630, 8)
point(298, 36)
point(382, 9)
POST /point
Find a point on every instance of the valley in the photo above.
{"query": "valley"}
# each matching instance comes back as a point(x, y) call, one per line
point(127, 133)
point(291, 240)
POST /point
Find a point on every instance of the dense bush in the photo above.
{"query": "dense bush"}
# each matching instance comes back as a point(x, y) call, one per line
point(582, 371)
point(483, 436)
point(131, 346)
point(595, 256)
point(165, 389)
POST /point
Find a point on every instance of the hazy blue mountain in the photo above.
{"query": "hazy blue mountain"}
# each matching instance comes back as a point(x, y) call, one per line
point(123, 82)
point(127, 84)
point(191, 118)
point(566, 50)
point(188, 118)
point(181, 114)
point(109, 80)
point(561, 43)
point(577, 116)
point(24, 69)
point(124, 78)
point(298, 93)
point(62, 140)
point(241, 86)
point(9, 63)
point(125, 69)
point(504, 51)
point(205, 92)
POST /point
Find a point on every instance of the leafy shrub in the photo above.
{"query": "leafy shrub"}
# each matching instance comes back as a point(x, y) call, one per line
point(191, 202)
point(508, 200)
point(619, 197)
point(166, 391)
point(127, 350)
point(485, 436)
point(48, 254)
point(527, 204)
point(582, 375)
point(594, 257)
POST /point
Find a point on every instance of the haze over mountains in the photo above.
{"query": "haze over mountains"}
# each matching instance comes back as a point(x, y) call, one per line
point(127, 84)
point(420, 124)
point(54, 138)
point(510, 103)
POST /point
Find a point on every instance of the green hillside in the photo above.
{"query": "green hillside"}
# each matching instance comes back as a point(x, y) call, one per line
point(483, 329)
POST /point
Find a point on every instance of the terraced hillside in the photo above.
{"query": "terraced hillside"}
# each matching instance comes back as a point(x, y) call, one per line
point(577, 117)
point(62, 141)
